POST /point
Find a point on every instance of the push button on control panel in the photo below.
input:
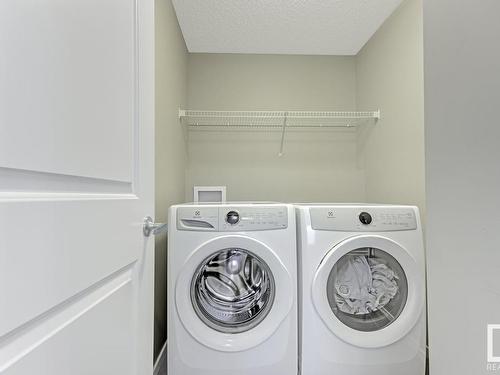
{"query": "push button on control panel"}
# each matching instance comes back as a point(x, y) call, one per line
point(365, 218)
point(232, 217)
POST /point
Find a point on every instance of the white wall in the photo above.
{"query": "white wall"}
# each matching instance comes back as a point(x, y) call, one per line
point(320, 166)
point(171, 86)
point(389, 72)
point(462, 96)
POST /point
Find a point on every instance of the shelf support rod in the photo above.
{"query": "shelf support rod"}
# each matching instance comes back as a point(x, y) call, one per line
point(283, 135)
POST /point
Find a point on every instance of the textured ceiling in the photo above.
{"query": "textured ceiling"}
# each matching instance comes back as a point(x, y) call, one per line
point(313, 27)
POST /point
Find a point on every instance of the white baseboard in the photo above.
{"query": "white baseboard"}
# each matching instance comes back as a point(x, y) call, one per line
point(160, 361)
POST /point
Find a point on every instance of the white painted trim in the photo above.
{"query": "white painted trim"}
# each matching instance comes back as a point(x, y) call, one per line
point(162, 357)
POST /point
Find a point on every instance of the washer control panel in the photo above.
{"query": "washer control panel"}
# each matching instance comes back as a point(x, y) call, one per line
point(232, 218)
point(363, 219)
point(248, 218)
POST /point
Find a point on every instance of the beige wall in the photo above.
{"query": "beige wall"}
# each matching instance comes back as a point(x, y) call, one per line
point(318, 166)
point(171, 83)
point(381, 163)
point(389, 71)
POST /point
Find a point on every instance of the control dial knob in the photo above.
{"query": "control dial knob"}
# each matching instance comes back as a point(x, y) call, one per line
point(232, 217)
point(365, 218)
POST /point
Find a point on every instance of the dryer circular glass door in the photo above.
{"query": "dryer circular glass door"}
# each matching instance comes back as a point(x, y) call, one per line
point(233, 293)
point(368, 290)
point(232, 290)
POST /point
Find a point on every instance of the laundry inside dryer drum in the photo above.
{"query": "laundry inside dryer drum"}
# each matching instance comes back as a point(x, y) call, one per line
point(367, 289)
point(232, 290)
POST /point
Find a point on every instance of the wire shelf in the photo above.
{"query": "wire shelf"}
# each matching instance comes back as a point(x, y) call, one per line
point(275, 119)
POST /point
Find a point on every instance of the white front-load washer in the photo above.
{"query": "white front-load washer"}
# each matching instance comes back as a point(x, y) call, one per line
point(362, 290)
point(232, 289)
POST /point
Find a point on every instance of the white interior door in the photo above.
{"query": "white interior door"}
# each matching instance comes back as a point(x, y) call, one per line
point(76, 179)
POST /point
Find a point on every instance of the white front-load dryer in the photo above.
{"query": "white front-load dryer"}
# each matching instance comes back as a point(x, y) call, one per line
point(232, 289)
point(362, 290)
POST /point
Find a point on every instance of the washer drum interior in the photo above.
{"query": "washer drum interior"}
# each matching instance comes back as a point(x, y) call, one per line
point(232, 290)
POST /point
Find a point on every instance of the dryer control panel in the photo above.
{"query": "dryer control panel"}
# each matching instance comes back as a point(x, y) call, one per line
point(363, 219)
point(232, 218)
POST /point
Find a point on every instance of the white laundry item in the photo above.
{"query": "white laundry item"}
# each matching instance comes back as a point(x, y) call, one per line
point(384, 282)
point(364, 285)
point(353, 285)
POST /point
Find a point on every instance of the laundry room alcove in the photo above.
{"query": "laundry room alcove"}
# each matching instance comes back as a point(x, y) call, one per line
point(358, 133)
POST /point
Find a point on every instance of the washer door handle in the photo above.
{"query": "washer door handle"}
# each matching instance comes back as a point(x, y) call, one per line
point(150, 227)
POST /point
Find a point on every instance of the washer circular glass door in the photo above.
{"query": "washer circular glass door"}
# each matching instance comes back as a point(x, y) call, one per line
point(232, 290)
point(368, 290)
